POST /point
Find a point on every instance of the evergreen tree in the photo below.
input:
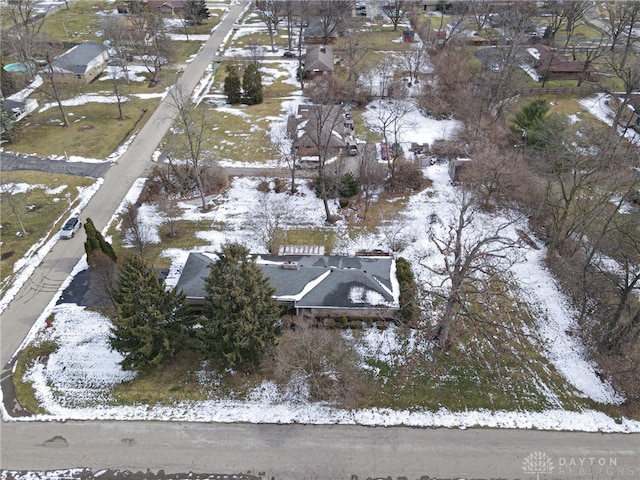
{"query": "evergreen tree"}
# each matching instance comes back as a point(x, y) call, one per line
point(152, 323)
point(232, 86)
point(9, 128)
point(95, 241)
point(252, 85)
point(240, 310)
point(7, 84)
point(195, 11)
point(537, 127)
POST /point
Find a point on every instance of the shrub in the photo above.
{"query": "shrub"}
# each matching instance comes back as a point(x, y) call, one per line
point(322, 364)
point(407, 177)
point(280, 185)
point(409, 311)
point(329, 323)
point(263, 186)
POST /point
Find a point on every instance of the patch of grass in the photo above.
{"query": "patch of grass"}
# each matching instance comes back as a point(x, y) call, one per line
point(40, 211)
point(307, 236)
point(179, 381)
point(488, 365)
point(383, 38)
point(95, 130)
point(172, 383)
point(241, 136)
point(185, 240)
point(25, 393)
point(78, 23)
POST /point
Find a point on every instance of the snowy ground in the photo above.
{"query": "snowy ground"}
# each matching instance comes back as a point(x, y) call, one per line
point(75, 381)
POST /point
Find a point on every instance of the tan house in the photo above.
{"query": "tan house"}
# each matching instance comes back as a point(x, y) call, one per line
point(82, 63)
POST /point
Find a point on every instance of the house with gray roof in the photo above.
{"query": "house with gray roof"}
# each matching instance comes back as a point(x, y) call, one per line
point(314, 285)
point(318, 61)
point(82, 63)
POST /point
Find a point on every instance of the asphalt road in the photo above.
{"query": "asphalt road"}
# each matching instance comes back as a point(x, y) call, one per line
point(296, 452)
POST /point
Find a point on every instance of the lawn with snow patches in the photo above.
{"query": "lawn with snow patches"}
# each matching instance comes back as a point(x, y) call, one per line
point(65, 369)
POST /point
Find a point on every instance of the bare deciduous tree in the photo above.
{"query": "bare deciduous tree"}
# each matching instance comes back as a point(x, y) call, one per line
point(331, 14)
point(192, 125)
point(282, 144)
point(413, 59)
point(325, 118)
point(370, 175)
point(354, 48)
point(475, 251)
point(27, 19)
point(269, 219)
point(620, 21)
point(9, 197)
point(270, 12)
point(392, 121)
point(394, 10)
point(137, 232)
point(51, 87)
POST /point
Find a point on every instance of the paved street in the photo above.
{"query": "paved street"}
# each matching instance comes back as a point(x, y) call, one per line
point(296, 452)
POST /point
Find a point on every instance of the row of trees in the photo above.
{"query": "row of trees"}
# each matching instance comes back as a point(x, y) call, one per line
point(249, 91)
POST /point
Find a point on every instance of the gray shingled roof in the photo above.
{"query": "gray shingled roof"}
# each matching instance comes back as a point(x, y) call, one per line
point(321, 281)
point(319, 58)
point(79, 57)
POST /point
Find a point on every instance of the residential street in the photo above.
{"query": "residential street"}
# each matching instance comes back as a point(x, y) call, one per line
point(296, 452)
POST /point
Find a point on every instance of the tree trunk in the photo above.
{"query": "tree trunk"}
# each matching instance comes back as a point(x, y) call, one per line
point(442, 333)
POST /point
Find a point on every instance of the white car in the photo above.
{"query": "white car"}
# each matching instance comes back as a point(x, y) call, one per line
point(70, 227)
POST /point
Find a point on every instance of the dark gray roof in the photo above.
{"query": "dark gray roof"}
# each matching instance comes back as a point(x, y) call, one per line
point(191, 280)
point(322, 281)
point(79, 57)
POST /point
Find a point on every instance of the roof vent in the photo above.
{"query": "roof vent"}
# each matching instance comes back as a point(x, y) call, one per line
point(290, 265)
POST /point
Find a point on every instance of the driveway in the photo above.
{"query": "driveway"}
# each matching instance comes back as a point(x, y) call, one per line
point(12, 161)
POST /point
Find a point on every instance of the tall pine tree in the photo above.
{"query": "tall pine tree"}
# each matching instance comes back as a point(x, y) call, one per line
point(195, 11)
point(252, 85)
point(96, 242)
point(232, 85)
point(152, 323)
point(9, 128)
point(241, 313)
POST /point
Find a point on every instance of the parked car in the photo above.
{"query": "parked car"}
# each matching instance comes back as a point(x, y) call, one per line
point(384, 151)
point(70, 228)
point(362, 13)
point(288, 54)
